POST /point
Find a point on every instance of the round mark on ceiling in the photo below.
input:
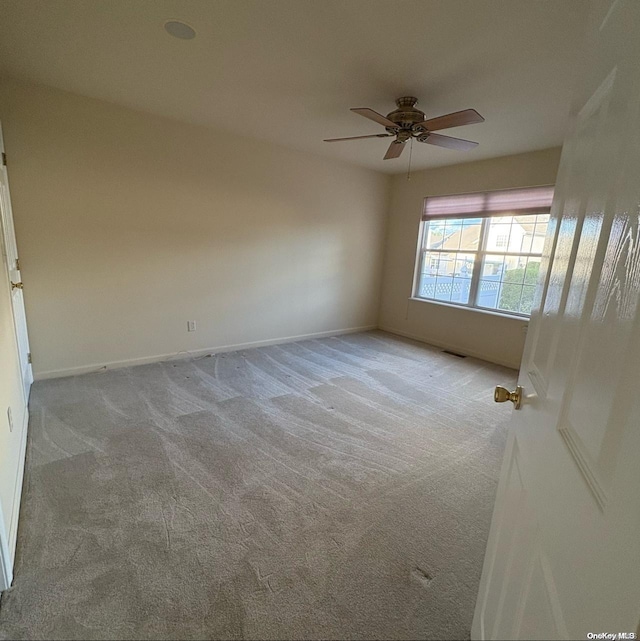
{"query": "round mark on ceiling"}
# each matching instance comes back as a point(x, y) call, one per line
point(179, 29)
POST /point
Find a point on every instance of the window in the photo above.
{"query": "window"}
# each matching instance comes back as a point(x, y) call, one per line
point(484, 250)
point(502, 240)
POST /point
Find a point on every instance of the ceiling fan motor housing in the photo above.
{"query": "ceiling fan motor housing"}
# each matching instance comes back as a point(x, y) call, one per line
point(406, 115)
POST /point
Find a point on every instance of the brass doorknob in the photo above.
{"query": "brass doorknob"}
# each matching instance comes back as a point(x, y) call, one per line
point(17, 286)
point(502, 395)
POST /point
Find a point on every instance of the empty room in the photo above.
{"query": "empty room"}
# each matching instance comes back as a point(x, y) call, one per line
point(319, 319)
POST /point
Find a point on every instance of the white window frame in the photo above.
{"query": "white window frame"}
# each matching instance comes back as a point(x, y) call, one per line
point(481, 253)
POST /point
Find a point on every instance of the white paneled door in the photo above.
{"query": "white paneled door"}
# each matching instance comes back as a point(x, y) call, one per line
point(563, 556)
point(10, 255)
point(14, 441)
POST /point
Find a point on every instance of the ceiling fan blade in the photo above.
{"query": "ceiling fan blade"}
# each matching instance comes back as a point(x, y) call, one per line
point(450, 143)
point(395, 149)
point(456, 119)
point(357, 137)
point(375, 116)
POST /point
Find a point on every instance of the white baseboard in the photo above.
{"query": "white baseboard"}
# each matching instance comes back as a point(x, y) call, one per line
point(450, 346)
point(95, 367)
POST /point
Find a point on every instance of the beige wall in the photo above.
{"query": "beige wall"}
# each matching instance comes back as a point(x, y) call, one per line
point(129, 225)
point(489, 336)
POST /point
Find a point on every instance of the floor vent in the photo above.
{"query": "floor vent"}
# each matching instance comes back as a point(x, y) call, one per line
point(446, 351)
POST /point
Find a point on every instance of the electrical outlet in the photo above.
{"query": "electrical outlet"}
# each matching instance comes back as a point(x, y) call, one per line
point(191, 326)
point(10, 417)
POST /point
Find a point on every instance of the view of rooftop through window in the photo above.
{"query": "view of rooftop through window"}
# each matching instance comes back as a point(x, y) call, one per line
point(490, 262)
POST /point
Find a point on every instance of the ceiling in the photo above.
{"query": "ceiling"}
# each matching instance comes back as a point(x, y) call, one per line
point(288, 71)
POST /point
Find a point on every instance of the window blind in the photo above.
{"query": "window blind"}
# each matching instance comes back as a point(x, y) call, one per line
point(512, 202)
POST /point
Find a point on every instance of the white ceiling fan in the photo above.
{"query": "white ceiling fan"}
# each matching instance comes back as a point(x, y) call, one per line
point(407, 122)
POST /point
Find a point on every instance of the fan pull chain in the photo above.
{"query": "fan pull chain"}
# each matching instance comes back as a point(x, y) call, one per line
point(410, 154)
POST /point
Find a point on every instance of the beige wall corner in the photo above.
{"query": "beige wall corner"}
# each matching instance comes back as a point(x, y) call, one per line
point(492, 337)
point(129, 225)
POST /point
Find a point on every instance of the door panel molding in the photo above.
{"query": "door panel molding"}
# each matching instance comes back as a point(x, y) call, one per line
point(585, 464)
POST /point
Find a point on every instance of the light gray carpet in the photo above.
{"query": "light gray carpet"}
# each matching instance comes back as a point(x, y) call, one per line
point(327, 489)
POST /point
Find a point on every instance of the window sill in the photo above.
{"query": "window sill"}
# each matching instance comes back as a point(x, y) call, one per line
point(477, 310)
